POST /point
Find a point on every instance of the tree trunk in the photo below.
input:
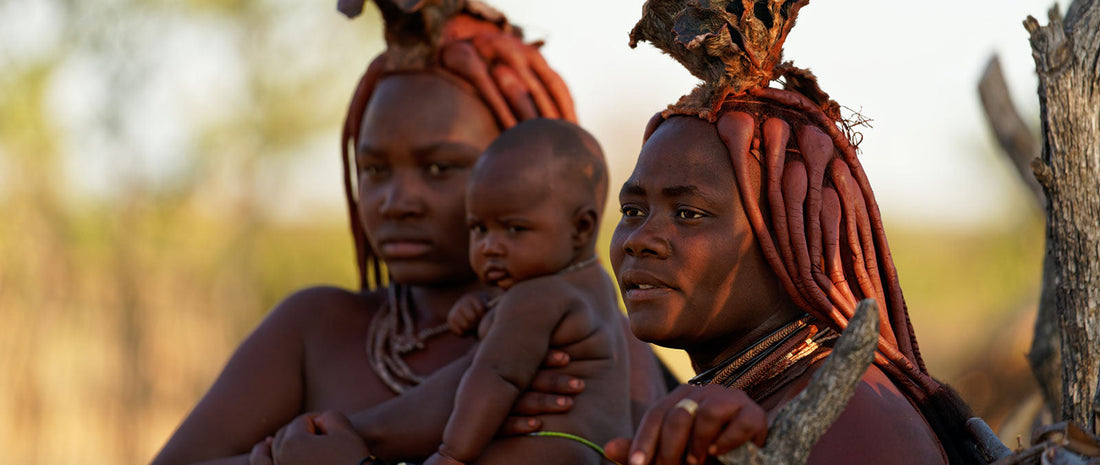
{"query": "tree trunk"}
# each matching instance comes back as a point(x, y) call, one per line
point(1067, 59)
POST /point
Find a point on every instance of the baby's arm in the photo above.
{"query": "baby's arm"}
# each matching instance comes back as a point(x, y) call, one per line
point(467, 312)
point(506, 362)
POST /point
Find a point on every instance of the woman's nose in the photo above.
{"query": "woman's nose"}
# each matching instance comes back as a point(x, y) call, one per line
point(648, 240)
point(402, 198)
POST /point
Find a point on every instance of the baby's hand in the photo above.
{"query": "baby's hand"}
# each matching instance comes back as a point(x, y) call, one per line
point(467, 312)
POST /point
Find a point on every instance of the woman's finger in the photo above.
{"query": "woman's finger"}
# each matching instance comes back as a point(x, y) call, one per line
point(551, 382)
point(750, 424)
point(676, 432)
point(302, 424)
point(515, 426)
point(713, 415)
point(649, 431)
point(537, 403)
point(555, 359)
point(261, 453)
point(331, 422)
point(617, 449)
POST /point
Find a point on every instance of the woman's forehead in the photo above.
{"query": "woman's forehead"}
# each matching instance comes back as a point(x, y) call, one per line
point(421, 110)
point(684, 153)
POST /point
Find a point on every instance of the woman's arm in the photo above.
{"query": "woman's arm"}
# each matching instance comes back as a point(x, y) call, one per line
point(259, 390)
point(410, 426)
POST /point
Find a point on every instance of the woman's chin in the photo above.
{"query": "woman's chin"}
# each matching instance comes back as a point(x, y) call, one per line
point(415, 273)
point(655, 329)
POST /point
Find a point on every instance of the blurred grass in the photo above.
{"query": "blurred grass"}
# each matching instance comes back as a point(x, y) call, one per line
point(112, 328)
point(116, 319)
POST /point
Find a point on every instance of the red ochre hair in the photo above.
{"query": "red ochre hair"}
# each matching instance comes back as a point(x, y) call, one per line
point(802, 186)
point(468, 43)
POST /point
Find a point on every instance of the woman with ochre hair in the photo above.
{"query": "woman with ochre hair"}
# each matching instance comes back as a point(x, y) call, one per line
point(749, 232)
point(453, 76)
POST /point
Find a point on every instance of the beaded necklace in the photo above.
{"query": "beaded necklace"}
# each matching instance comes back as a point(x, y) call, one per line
point(392, 335)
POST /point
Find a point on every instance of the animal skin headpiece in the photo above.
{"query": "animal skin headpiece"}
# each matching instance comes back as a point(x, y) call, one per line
point(802, 186)
point(467, 42)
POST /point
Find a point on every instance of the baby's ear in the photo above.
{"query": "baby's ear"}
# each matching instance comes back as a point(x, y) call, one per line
point(586, 224)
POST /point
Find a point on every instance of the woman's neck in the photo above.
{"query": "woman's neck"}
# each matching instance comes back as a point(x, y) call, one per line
point(432, 303)
point(713, 352)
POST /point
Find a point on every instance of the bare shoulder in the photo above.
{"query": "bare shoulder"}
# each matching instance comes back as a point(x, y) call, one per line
point(879, 425)
point(320, 304)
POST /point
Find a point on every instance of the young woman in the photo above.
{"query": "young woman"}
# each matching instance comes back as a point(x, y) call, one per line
point(450, 81)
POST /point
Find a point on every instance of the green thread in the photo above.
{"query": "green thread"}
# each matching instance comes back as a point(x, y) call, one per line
point(574, 437)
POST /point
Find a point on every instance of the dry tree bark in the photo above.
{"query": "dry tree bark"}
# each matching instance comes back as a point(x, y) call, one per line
point(1021, 146)
point(1067, 59)
point(800, 423)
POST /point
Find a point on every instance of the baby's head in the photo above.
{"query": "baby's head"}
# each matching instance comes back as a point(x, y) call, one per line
point(533, 201)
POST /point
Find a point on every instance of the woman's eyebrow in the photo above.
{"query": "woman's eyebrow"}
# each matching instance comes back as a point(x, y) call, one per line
point(705, 195)
point(632, 188)
point(364, 150)
point(678, 191)
point(445, 147)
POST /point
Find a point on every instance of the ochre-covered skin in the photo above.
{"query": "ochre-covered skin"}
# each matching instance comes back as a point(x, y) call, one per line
point(478, 50)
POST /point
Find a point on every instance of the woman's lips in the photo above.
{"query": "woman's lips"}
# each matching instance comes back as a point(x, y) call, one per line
point(397, 250)
point(645, 292)
point(639, 286)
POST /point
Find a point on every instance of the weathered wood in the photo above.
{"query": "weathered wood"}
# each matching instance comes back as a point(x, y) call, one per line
point(1067, 59)
point(987, 439)
point(800, 423)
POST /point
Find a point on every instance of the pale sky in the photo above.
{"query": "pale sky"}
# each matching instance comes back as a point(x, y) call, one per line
point(912, 67)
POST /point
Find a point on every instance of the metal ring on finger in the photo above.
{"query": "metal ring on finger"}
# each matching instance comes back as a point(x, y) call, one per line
point(689, 406)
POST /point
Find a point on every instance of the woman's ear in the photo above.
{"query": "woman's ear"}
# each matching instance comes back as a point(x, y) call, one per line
point(586, 224)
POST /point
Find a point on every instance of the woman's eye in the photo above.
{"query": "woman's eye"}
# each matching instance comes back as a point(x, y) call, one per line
point(631, 212)
point(437, 169)
point(373, 171)
point(686, 214)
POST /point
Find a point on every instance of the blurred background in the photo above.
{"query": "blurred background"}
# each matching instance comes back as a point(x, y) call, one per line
point(169, 170)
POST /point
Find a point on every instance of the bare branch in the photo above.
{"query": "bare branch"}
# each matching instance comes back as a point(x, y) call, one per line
point(1013, 134)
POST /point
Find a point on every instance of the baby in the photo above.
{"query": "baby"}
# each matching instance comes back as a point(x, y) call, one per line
point(533, 206)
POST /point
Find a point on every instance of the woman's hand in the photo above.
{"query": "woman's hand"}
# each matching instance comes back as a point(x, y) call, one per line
point(326, 438)
point(690, 424)
point(551, 392)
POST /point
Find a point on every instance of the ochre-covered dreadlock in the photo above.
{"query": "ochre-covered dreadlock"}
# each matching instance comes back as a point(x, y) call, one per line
point(801, 183)
point(466, 42)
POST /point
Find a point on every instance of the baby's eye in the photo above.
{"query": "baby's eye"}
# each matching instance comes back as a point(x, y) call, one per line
point(516, 229)
point(631, 211)
point(476, 228)
point(686, 214)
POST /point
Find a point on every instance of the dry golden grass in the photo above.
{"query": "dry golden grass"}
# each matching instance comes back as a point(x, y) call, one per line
point(114, 321)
